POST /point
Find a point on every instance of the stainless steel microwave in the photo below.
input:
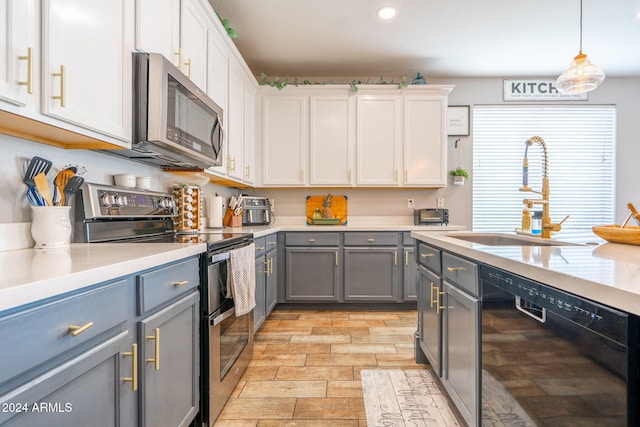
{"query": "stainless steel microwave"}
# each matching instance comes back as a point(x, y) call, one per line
point(175, 124)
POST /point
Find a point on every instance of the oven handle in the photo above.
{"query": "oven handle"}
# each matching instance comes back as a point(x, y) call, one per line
point(218, 257)
point(543, 313)
point(225, 315)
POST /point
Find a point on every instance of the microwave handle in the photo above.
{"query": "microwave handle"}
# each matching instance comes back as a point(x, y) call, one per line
point(221, 133)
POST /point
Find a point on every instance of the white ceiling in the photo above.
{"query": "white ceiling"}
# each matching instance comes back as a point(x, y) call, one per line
point(454, 38)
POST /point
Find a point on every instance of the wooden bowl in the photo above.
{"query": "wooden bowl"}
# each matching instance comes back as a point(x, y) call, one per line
point(613, 233)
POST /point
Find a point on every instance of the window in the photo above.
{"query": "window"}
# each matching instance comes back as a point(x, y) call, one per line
point(580, 143)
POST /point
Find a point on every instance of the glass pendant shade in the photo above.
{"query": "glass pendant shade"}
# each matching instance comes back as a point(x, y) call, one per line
point(581, 76)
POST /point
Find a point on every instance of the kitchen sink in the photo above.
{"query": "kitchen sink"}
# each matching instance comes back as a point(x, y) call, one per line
point(501, 239)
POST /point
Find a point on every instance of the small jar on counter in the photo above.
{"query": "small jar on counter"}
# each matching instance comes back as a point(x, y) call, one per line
point(536, 222)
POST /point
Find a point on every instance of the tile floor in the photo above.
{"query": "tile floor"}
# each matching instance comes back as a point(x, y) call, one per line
point(305, 371)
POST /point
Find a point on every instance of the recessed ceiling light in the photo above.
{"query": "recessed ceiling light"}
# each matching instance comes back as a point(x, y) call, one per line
point(386, 12)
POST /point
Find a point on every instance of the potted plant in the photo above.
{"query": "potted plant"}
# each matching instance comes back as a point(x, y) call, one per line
point(459, 175)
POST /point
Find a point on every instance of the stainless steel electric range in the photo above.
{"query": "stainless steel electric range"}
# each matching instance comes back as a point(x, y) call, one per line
point(113, 214)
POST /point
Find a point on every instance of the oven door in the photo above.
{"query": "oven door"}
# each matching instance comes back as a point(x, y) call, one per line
point(230, 350)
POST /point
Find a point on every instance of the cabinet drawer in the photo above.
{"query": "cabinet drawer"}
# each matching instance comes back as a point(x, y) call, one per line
point(163, 284)
point(41, 333)
point(312, 239)
point(461, 272)
point(261, 246)
point(271, 242)
point(429, 257)
point(370, 239)
point(407, 240)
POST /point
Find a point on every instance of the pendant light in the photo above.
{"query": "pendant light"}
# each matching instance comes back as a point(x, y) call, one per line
point(581, 76)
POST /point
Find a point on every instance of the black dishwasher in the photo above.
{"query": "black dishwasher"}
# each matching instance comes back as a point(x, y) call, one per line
point(550, 358)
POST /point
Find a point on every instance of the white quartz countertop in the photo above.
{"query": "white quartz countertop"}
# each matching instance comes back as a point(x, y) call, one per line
point(608, 273)
point(29, 275)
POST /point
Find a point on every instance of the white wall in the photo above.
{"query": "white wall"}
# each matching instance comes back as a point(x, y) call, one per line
point(15, 154)
point(622, 92)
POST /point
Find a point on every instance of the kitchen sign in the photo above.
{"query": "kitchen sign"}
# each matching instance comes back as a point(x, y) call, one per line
point(537, 90)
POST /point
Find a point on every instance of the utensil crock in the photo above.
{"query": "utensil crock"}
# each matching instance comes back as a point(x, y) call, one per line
point(51, 226)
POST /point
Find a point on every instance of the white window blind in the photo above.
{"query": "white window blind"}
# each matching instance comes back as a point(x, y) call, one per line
point(581, 150)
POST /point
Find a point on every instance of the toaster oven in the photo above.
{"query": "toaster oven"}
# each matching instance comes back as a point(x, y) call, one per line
point(431, 216)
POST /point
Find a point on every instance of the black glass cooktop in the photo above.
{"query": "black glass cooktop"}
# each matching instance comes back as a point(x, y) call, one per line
point(214, 239)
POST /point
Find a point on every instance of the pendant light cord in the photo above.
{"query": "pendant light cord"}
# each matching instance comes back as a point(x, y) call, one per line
point(580, 26)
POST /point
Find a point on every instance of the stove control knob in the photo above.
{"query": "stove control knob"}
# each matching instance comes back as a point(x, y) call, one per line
point(119, 200)
point(106, 200)
point(166, 203)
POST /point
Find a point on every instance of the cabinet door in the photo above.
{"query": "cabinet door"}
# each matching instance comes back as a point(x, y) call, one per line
point(331, 140)
point(249, 132)
point(429, 318)
point(425, 141)
point(272, 280)
point(194, 29)
point(312, 274)
point(409, 266)
point(235, 127)
point(158, 27)
point(378, 140)
point(260, 311)
point(285, 138)
point(371, 274)
point(87, 64)
point(169, 362)
point(18, 51)
point(78, 392)
point(461, 351)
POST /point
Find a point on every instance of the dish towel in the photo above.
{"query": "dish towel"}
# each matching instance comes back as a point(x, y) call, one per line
point(243, 278)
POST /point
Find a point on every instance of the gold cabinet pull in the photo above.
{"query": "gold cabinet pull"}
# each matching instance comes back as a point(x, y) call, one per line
point(29, 82)
point(188, 64)
point(395, 257)
point(272, 243)
point(406, 257)
point(406, 176)
point(336, 258)
point(134, 366)
point(371, 240)
point(455, 268)
point(432, 300)
point(179, 55)
point(156, 359)
point(182, 283)
point(439, 307)
point(248, 172)
point(76, 330)
point(312, 240)
point(260, 248)
point(266, 267)
point(270, 266)
point(61, 97)
point(426, 255)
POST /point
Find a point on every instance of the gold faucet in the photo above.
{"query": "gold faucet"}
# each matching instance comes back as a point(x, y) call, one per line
point(547, 226)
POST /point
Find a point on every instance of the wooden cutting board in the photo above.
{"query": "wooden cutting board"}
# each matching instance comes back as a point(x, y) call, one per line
point(338, 207)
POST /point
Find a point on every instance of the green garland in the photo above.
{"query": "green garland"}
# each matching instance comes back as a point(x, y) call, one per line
point(280, 84)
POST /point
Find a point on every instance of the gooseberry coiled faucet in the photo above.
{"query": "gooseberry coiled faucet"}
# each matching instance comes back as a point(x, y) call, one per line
point(547, 226)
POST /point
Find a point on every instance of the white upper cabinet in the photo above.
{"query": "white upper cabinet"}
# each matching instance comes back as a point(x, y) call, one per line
point(285, 138)
point(158, 27)
point(235, 128)
point(249, 133)
point(331, 139)
point(19, 52)
point(424, 141)
point(86, 64)
point(378, 140)
point(193, 41)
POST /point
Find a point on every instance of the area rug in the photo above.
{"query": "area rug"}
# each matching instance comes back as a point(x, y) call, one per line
point(398, 398)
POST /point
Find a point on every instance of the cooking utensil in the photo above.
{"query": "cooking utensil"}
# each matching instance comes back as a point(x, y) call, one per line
point(73, 185)
point(635, 213)
point(60, 181)
point(36, 166)
point(42, 185)
point(34, 198)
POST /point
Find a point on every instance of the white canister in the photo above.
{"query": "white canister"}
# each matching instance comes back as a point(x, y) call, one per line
point(51, 226)
point(125, 180)
point(143, 182)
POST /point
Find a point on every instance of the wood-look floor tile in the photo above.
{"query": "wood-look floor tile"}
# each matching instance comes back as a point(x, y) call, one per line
point(374, 316)
point(238, 388)
point(357, 323)
point(283, 315)
point(297, 348)
point(271, 339)
point(258, 348)
point(284, 389)
point(291, 330)
point(235, 423)
point(334, 315)
point(344, 389)
point(363, 348)
point(340, 331)
point(330, 408)
point(398, 330)
point(307, 323)
point(398, 360)
point(258, 408)
point(401, 323)
point(257, 373)
point(340, 359)
point(309, 423)
point(358, 369)
point(278, 360)
point(320, 339)
point(407, 348)
point(327, 373)
point(383, 338)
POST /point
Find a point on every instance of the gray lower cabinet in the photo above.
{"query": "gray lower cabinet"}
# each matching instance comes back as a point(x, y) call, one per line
point(271, 279)
point(313, 273)
point(260, 311)
point(409, 271)
point(169, 354)
point(266, 278)
point(449, 325)
point(371, 274)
